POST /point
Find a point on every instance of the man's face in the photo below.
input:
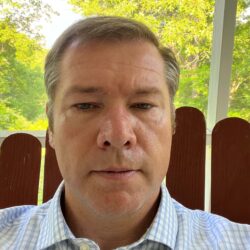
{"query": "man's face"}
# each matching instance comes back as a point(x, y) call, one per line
point(112, 126)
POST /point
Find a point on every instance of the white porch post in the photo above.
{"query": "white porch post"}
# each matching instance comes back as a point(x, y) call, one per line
point(220, 75)
point(221, 61)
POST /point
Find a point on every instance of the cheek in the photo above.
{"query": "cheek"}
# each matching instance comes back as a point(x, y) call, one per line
point(158, 128)
point(156, 137)
point(165, 137)
point(73, 142)
point(73, 128)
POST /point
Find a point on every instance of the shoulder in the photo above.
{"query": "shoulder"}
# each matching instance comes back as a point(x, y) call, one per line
point(17, 223)
point(211, 231)
point(21, 214)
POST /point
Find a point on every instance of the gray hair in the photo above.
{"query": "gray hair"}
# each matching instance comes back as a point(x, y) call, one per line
point(105, 28)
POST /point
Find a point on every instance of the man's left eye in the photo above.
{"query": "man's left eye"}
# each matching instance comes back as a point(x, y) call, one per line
point(86, 106)
point(142, 105)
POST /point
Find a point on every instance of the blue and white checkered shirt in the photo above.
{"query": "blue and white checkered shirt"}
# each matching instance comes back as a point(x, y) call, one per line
point(174, 227)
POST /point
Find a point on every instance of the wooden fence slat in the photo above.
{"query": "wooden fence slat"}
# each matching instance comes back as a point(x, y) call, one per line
point(230, 191)
point(20, 158)
point(186, 174)
point(52, 175)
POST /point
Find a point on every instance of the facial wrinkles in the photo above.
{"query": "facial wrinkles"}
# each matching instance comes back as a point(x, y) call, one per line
point(116, 56)
point(78, 66)
point(157, 116)
point(110, 66)
point(121, 78)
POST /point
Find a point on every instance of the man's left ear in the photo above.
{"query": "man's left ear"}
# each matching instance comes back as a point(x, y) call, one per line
point(50, 133)
point(51, 139)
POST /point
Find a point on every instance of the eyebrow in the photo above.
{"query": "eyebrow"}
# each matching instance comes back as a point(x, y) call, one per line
point(148, 91)
point(144, 91)
point(83, 90)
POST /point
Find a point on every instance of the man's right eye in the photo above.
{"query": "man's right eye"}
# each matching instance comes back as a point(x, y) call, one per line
point(86, 106)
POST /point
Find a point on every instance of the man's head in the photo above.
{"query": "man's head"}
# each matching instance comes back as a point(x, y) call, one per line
point(111, 89)
point(105, 29)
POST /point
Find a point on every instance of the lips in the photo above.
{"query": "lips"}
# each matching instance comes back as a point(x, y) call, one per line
point(116, 173)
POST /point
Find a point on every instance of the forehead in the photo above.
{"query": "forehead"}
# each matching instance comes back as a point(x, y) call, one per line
point(116, 54)
point(117, 67)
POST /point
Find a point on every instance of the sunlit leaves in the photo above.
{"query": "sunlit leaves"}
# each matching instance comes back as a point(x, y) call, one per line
point(23, 15)
point(185, 25)
point(22, 92)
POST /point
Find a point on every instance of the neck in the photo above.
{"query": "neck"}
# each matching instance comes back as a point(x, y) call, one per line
point(108, 232)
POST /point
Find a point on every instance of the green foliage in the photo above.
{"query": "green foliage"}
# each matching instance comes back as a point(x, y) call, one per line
point(21, 77)
point(11, 119)
point(22, 56)
point(185, 26)
point(240, 86)
point(193, 88)
point(39, 124)
point(23, 15)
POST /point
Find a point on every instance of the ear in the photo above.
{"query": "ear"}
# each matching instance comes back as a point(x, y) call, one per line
point(51, 138)
point(50, 132)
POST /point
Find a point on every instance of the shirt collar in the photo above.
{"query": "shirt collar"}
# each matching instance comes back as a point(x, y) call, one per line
point(163, 229)
point(54, 228)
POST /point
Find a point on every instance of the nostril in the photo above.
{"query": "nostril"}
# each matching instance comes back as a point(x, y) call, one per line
point(127, 143)
point(106, 143)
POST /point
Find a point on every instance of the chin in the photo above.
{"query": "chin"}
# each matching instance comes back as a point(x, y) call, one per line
point(116, 205)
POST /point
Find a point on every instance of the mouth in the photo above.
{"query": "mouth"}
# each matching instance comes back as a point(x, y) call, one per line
point(116, 174)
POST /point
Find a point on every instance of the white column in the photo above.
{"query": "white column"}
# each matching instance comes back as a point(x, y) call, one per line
point(221, 61)
point(220, 75)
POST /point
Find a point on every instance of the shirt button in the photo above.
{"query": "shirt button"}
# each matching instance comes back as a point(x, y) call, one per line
point(84, 247)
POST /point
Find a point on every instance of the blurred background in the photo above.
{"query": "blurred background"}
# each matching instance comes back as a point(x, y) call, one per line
point(28, 29)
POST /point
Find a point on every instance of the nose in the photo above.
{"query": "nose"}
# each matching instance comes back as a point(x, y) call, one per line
point(117, 131)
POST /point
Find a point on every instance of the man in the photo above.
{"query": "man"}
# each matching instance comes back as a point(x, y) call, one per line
point(111, 118)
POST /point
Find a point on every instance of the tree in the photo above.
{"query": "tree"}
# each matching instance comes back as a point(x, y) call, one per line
point(240, 86)
point(186, 27)
point(177, 23)
point(21, 63)
point(23, 15)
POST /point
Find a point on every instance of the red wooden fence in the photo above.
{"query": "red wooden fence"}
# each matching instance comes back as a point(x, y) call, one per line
point(20, 156)
point(230, 193)
point(52, 175)
point(186, 174)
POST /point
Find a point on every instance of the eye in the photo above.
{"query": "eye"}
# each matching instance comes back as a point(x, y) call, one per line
point(86, 106)
point(142, 106)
